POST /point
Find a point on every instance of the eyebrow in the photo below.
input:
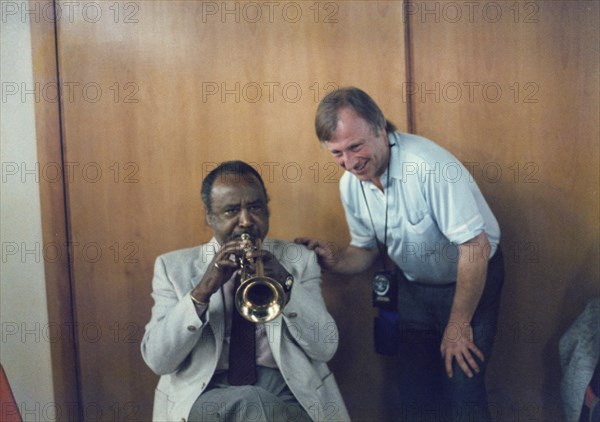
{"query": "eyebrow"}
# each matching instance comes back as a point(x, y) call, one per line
point(262, 202)
point(359, 142)
point(238, 204)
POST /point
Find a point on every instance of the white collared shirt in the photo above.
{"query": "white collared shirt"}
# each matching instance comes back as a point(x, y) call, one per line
point(434, 205)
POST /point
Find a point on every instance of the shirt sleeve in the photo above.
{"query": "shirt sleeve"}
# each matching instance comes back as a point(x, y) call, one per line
point(451, 194)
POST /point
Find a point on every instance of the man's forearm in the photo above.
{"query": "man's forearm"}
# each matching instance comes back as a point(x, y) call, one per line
point(470, 280)
point(353, 260)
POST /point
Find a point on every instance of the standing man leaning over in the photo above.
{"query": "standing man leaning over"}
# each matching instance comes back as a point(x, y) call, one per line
point(211, 367)
point(408, 195)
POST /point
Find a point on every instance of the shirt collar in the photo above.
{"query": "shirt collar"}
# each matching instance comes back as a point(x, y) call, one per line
point(214, 244)
point(394, 169)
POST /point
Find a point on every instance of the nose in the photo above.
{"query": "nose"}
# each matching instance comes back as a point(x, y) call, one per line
point(349, 160)
point(245, 218)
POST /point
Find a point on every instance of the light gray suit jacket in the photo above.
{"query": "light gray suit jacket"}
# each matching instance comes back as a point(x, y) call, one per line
point(184, 350)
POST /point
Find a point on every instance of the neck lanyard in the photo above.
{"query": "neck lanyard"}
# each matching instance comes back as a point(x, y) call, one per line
point(386, 189)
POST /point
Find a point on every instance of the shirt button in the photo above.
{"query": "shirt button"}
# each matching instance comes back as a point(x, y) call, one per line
point(292, 315)
point(191, 328)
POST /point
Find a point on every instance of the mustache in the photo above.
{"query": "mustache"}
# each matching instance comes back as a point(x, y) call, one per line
point(253, 233)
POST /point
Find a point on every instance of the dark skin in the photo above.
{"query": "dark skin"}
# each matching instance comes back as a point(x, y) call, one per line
point(238, 205)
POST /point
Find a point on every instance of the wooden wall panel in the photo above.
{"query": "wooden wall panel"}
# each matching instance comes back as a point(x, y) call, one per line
point(61, 332)
point(512, 89)
point(156, 93)
point(164, 90)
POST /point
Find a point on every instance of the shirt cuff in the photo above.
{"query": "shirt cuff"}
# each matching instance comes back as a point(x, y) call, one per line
point(200, 310)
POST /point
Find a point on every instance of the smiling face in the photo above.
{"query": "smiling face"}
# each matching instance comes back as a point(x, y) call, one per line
point(357, 149)
point(238, 205)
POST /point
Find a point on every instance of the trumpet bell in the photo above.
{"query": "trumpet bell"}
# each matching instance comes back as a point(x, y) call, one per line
point(260, 299)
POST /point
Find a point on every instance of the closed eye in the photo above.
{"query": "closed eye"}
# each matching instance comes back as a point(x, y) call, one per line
point(257, 208)
point(229, 212)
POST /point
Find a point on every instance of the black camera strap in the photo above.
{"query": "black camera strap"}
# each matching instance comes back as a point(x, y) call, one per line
point(386, 188)
point(385, 285)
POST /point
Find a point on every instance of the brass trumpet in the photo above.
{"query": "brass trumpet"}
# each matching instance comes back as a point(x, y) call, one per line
point(259, 298)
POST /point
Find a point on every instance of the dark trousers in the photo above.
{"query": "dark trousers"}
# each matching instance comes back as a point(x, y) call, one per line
point(426, 392)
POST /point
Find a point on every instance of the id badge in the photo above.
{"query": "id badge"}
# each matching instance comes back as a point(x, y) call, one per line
point(385, 290)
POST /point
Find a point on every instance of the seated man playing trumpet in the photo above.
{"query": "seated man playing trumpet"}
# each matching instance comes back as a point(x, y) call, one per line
point(262, 360)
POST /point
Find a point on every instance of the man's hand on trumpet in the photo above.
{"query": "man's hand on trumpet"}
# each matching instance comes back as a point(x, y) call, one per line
point(222, 267)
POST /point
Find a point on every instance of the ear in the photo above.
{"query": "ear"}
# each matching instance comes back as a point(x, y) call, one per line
point(209, 217)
